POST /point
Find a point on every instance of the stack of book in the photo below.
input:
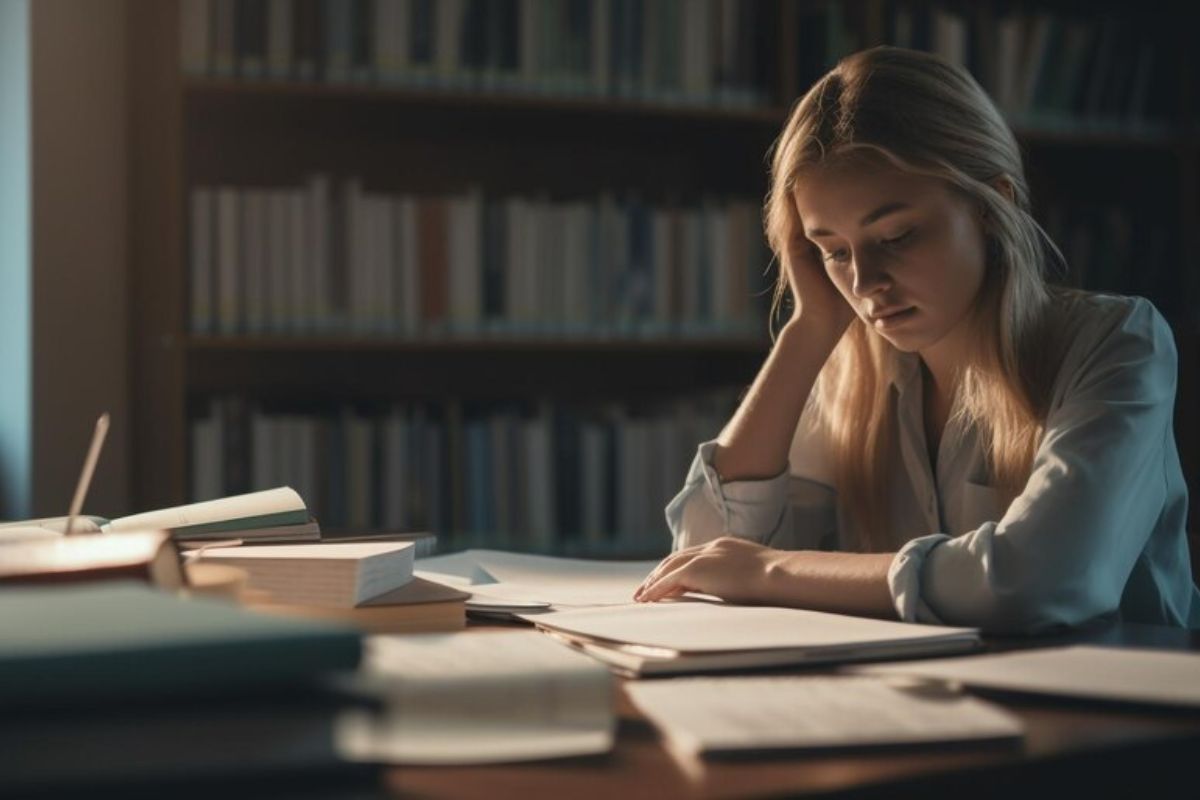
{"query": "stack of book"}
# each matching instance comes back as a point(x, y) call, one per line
point(366, 584)
point(267, 540)
point(110, 685)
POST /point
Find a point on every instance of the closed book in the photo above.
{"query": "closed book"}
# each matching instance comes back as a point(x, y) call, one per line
point(322, 574)
point(184, 746)
point(49, 557)
point(417, 607)
point(65, 645)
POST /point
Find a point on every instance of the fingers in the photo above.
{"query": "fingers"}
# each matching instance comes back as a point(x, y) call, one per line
point(668, 564)
point(672, 584)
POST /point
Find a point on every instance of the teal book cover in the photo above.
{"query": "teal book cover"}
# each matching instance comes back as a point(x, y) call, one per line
point(116, 639)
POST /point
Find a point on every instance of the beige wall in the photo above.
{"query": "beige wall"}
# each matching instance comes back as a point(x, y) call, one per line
point(80, 314)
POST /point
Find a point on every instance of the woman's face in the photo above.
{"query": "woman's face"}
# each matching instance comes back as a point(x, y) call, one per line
point(896, 242)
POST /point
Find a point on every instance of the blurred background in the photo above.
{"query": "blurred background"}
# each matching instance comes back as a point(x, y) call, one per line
point(490, 268)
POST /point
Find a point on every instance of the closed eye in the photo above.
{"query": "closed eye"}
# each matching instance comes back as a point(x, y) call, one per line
point(899, 238)
point(837, 255)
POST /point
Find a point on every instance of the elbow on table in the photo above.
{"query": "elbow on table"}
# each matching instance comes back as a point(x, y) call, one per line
point(1033, 609)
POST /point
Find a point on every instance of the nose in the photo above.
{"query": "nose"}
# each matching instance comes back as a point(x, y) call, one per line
point(869, 276)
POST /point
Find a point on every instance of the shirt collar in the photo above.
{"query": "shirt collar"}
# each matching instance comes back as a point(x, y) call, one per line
point(907, 369)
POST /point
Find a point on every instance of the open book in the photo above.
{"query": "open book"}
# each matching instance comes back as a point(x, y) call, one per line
point(270, 515)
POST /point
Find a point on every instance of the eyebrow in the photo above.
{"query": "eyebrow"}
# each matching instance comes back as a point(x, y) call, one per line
point(874, 216)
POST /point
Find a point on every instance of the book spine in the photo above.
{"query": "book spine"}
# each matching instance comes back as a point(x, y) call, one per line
point(224, 49)
point(280, 36)
point(195, 36)
point(250, 33)
point(201, 260)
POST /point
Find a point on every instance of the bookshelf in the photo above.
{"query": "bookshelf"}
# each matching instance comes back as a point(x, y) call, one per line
point(668, 139)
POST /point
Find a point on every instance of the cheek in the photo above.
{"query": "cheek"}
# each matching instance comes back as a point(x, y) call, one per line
point(839, 276)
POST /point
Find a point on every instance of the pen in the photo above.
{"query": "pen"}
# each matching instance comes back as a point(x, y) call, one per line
point(89, 466)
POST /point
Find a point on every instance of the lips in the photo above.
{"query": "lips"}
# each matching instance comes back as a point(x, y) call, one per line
point(887, 312)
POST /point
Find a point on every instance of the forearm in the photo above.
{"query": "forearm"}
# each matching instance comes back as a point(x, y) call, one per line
point(754, 445)
point(843, 583)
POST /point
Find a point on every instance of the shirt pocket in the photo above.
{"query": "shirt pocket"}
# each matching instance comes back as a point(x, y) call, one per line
point(980, 503)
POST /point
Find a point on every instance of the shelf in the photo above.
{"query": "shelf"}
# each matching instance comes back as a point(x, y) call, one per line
point(265, 345)
point(1081, 135)
point(269, 134)
point(214, 93)
point(326, 370)
point(485, 102)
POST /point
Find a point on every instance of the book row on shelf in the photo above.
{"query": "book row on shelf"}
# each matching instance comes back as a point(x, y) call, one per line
point(1043, 67)
point(1112, 247)
point(336, 259)
point(670, 51)
point(540, 476)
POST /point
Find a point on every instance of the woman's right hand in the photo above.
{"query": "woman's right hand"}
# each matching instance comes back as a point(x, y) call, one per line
point(813, 293)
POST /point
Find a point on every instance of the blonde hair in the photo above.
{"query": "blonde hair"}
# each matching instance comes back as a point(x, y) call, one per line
point(928, 117)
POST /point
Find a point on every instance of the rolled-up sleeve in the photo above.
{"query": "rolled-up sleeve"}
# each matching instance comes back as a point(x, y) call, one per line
point(787, 511)
point(1064, 549)
point(706, 508)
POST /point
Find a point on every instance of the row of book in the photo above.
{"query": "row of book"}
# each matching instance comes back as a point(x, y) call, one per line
point(327, 258)
point(1044, 69)
point(1111, 247)
point(692, 52)
point(544, 478)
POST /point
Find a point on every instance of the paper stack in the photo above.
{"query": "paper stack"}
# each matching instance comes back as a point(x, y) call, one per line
point(717, 716)
point(475, 698)
point(1125, 675)
point(701, 636)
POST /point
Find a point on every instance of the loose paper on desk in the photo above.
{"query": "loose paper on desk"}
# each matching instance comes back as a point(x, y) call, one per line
point(480, 697)
point(1156, 677)
point(562, 582)
point(755, 713)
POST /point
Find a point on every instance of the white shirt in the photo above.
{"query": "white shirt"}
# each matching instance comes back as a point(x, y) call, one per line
point(1097, 531)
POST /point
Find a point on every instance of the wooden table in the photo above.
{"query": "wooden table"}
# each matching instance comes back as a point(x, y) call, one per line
point(1071, 747)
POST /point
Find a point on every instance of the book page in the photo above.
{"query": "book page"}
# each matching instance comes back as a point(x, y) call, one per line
point(282, 503)
point(1082, 671)
point(480, 697)
point(83, 524)
point(782, 712)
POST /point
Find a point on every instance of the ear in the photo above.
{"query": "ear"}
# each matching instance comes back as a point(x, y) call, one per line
point(1004, 186)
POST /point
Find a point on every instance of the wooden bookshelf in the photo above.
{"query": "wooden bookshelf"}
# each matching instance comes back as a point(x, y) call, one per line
point(187, 131)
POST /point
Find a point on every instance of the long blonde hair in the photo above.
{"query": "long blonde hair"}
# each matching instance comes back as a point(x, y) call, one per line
point(928, 117)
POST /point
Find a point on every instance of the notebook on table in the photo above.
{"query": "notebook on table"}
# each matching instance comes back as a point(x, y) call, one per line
point(691, 636)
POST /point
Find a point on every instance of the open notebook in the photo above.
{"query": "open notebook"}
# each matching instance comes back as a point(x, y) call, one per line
point(701, 636)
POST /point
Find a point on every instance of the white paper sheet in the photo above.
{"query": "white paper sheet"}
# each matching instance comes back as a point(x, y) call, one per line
point(480, 697)
point(1082, 671)
point(722, 715)
point(562, 582)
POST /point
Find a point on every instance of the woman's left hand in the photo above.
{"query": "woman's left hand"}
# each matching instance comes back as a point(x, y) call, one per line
point(733, 569)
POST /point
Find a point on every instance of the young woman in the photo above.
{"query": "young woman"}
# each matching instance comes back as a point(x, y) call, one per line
point(937, 435)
